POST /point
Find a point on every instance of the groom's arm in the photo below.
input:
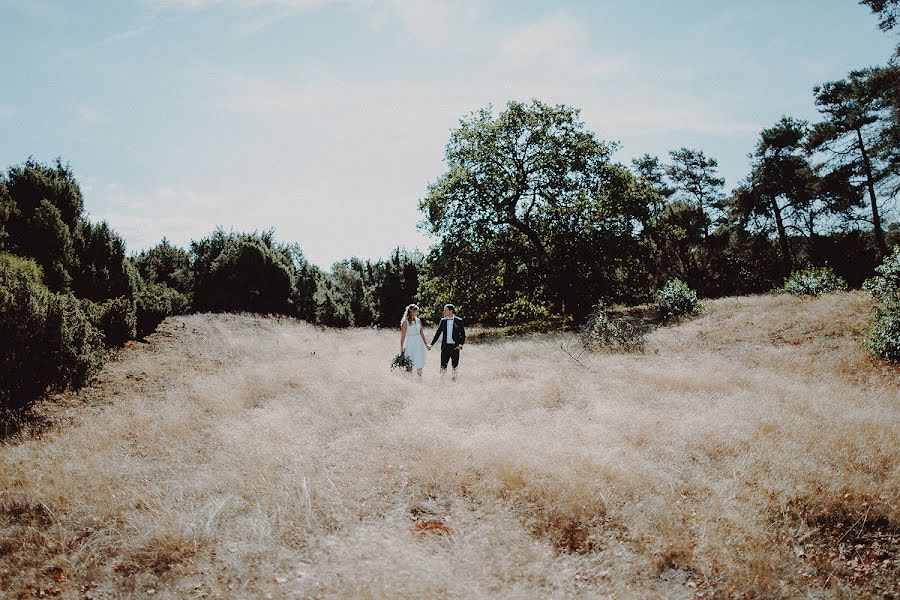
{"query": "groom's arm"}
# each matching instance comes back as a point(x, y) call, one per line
point(462, 332)
point(437, 333)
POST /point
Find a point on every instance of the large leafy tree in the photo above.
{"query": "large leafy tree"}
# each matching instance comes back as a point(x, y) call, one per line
point(539, 191)
point(859, 136)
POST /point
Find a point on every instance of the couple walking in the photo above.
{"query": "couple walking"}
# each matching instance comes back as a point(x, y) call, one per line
point(411, 332)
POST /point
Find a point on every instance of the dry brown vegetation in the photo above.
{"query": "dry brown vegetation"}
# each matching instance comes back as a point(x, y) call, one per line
point(752, 452)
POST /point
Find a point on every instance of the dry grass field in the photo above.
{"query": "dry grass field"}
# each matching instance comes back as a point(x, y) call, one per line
point(749, 453)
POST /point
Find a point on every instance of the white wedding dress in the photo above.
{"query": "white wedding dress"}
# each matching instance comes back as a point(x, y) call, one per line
point(415, 347)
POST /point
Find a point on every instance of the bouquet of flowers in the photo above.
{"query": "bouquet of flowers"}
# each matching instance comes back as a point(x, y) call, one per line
point(401, 361)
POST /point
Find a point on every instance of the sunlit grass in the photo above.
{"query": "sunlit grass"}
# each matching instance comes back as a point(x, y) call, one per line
point(238, 456)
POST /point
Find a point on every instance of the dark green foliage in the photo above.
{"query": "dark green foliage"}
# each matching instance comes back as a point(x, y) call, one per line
point(308, 278)
point(532, 201)
point(348, 283)
point(888, 12)
point(166, 264)
point(243, 272)
point(394, 284)
point(46, 209)
point(332, 308)
point(6, 210)
point(782, 188)
point(48, 340)
point(101, 272)
point(114, 318)
point(860, 133)
point(401, 361)
point(33, 182)
point(47, 240)
point(153, 303)
point(522, 310)
point(695, 180)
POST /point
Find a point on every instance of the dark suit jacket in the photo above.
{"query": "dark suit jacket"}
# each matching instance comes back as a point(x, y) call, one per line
point(459, 332)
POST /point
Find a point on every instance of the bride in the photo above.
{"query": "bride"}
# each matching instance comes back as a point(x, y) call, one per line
point(411, 332)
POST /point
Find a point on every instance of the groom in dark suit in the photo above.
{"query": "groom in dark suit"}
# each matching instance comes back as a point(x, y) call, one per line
point(454, 333)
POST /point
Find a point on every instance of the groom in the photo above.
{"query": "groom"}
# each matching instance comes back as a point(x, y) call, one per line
point(454, 337)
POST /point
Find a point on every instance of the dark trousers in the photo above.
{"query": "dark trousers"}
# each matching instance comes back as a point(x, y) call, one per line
point(449, 353)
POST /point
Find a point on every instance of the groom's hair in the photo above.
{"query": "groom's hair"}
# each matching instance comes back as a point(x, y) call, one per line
point(451, 307)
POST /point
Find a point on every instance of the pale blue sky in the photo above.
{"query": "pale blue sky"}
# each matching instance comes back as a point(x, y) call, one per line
point(326, 119)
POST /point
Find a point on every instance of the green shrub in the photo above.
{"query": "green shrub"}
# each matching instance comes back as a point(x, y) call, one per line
point(154, 302)
point(604, 329)
point(883, 335)
point(676, 299)
point(812, 282)
point(236, 272)
point(522, 310)
point(886, 285)
point(116, 319)
point(48, 340)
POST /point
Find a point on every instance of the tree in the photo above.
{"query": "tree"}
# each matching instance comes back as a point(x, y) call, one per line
point(100, 273)
point(781, 185)
point(695, 179)
point(44, 207)
point(888, 12)
point(651, 171)
point(538, 189)
point(165, 264)
point(243, 272)
point(857, 133)
point(394, 284)
point(6, 210)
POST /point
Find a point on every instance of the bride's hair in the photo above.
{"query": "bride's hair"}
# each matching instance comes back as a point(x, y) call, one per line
point(406, 312)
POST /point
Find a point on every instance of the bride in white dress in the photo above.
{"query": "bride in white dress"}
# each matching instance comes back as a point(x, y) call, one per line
point(412, 334)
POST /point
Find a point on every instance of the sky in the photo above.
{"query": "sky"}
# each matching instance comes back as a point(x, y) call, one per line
point(327, 119)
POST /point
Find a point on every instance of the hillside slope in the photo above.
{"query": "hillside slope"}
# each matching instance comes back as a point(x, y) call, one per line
point(750, 452)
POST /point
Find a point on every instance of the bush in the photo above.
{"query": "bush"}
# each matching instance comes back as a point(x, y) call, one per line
point(886, 284)
point(812, 282)
point(154, 302)
point(116, 319)
point(617, 332)
point(883, 335)
point(522, 310)
point(48, 340)
point(237, 272)
point(676, 299)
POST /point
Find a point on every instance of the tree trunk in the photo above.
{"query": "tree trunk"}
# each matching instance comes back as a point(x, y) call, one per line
point(787, 259)
point(870, 183)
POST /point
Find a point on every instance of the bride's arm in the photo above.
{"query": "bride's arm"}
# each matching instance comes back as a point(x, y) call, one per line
point(422, 333)
point(402, 334)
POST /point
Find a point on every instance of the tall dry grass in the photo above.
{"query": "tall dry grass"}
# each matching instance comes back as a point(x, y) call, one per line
point(237, 456)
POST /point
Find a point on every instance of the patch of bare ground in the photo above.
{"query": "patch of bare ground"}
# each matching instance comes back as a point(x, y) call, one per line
point(749, 453)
